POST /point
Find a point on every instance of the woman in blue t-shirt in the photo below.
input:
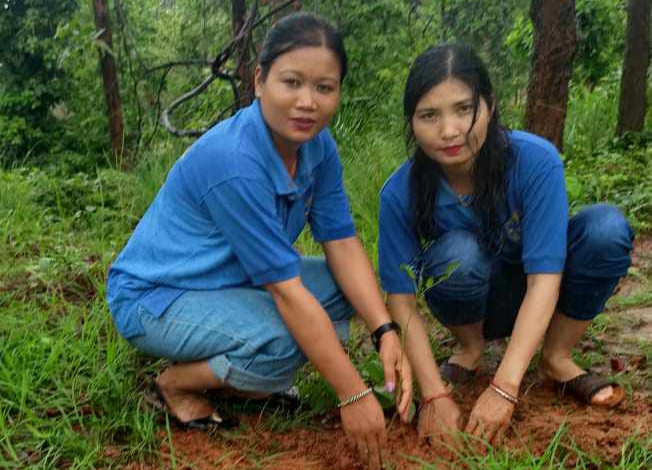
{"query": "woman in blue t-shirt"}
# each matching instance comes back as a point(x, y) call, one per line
point(477, 221)
point(210, 278)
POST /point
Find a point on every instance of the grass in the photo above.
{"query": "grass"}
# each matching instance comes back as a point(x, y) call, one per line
point(70, 387)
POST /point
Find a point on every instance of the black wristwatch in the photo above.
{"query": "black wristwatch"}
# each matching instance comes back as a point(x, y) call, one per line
point(381, 330)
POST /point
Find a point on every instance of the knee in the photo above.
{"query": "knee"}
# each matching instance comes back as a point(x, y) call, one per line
point(601, 228)
point(462, 250)
point(282, 347)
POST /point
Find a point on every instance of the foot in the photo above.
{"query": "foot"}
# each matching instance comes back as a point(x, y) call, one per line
point(469, 358)
point(185, 406)
point(564, 369)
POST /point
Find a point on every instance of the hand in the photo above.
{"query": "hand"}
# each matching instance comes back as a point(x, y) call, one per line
point(395, 361)
point(364, 425)
point(440, 419)
point(490, 417)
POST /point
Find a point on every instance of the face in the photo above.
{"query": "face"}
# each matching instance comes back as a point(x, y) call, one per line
point(299, 95)
point(442, 125)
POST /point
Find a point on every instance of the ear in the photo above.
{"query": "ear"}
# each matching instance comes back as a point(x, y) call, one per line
point(258, 81)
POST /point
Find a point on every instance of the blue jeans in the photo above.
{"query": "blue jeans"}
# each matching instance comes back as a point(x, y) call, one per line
point(240, 332)
point(490, 289)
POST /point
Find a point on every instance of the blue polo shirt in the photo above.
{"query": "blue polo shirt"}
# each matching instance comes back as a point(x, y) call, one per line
point(534, 222)
point(227, 216)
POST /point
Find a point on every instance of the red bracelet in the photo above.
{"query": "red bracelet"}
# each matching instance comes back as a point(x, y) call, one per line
point(426, 401)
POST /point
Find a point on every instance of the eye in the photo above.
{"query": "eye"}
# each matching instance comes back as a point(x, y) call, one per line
point(292, 82)
point(325, 89)
point(428, 116)
point(465, 109)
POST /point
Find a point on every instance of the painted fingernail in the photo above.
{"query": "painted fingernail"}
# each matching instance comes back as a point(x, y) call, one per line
point(389, 386)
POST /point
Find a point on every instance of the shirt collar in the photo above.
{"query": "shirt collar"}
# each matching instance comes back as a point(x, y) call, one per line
point(446, 196)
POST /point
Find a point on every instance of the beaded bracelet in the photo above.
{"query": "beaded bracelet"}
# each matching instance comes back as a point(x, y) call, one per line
point(354, 398)
point(502, 393)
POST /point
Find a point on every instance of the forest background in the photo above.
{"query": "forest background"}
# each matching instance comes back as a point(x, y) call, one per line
point(70, 197)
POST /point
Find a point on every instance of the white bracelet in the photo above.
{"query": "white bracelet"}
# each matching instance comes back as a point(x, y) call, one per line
point(354, 398)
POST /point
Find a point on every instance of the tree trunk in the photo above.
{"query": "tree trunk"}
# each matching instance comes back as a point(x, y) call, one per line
point(633, 84)
point(555, 40)
point(109, 79)
point(244, 71)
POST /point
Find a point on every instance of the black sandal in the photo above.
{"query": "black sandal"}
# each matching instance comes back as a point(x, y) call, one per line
point(212, 421)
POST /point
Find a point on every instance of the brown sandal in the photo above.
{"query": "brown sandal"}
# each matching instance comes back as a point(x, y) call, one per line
point(585, 386)
point(456, 374)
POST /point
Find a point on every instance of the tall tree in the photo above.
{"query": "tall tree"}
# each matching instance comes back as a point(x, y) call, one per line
point(109, 78)
point(555, 40)
point(633, 84)
point(244, 70)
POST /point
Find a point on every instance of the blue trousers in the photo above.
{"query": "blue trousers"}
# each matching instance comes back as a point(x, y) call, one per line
point(240, 332)
point(490, 289)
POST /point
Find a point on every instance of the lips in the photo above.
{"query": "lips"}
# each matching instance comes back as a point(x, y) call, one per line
point(303, 124)
point(452, 150)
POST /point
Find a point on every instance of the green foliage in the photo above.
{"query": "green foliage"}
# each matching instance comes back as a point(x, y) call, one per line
point(617, 173)
point(600, 44)
point(31, 81)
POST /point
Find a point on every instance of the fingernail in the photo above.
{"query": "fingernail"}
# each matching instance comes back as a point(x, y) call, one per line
point(389, 386)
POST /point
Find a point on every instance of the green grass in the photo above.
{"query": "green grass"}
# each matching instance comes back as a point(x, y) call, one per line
point(69, 386)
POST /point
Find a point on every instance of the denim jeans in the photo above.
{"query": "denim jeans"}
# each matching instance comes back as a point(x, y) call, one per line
point(240, 332)
point(490, 289)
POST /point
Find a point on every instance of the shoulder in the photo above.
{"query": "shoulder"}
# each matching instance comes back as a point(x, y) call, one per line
point(396, 188)
point(531, 148)
point(227, 150)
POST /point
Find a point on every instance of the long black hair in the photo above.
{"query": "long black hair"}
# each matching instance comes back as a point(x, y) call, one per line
point(434, 66)
point(298, 30)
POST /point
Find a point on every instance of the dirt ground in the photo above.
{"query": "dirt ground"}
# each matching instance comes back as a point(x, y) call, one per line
point(322, 445)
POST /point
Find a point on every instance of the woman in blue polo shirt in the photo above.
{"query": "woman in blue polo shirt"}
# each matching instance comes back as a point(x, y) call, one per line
point(210, 278)
point(491, 203)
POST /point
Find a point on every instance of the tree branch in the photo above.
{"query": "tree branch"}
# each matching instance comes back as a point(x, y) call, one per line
point(241, 40)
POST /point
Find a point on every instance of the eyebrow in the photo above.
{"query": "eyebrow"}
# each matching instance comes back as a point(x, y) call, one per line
point(319, 79)
point(457, 103)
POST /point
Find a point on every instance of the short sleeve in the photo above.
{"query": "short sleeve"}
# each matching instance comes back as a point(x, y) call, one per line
point(330, 214)
point(245, 212)
point(545, 220)
point(397, 246)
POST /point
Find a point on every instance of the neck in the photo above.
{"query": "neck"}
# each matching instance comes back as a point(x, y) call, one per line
point(460, 179)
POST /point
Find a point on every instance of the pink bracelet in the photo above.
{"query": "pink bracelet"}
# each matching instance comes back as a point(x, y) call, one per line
point(503, 394)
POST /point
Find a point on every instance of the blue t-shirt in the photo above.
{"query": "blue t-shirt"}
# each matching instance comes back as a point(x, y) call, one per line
point(533, 226)
point(227, 216)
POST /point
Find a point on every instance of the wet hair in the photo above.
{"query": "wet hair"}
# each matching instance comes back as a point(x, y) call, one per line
point(298, 30)
point(434, 66)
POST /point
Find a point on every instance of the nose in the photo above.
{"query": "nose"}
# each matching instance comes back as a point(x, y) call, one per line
point(306, 99)
point(450, 128)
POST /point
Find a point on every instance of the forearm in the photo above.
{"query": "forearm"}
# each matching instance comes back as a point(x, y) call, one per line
point(403, 310)
point(352, 270)
point(312, 329)
point(531, 324)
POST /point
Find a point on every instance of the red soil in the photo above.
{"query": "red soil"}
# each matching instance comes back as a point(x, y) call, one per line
point(597, 431)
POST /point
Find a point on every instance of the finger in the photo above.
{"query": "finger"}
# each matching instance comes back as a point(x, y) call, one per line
point(406, 393)
point(363, 453)
point(375, 457)
point(500, 434)
point(471, 425)
point(389, 366)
